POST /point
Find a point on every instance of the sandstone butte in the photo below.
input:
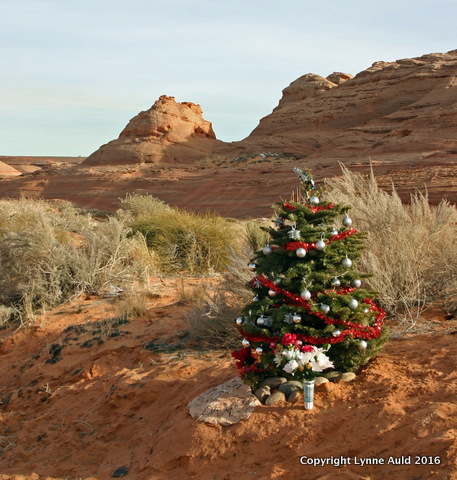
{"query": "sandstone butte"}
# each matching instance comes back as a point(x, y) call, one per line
point(168, 133)
point(393, 111)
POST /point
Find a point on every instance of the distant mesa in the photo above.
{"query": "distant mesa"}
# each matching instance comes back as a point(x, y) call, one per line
point(8, 171)
point(168, 133)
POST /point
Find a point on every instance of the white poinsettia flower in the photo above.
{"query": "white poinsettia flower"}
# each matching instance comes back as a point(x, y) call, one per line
point(321, 362)
point(291, 366)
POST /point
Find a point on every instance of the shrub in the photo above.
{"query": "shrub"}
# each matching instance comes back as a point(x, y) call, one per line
point(184, 241)
point(411, 248)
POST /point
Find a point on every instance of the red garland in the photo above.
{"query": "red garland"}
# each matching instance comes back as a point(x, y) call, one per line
point(292, 246)
point(358, 331)
point(313, 209)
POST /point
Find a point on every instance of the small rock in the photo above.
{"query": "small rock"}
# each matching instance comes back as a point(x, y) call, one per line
point(120, 472)
point(334, 376)
point(326, 387)
point(293, 397)
point(274, 398)
point(273, 382)
point(262, 393)
point(288, 387)
point(319, 381)
point(348, 376)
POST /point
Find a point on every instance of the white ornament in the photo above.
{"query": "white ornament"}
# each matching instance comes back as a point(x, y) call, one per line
point(320, 245)
point(324, 308)
point(336, 333)
point(336, 282)
point(260, 321)
point(314, 200)
point(239, 321)
point(294, 234)
point(353, 304)
point(267, 250)
point(347, 222)
point(366, 310)
point(301, 252)
point(296, 318)
point(347, 262)
point(363, 344)
point(334, 232)
point(305, 295)
point(272, 293)
point(259, 350)
point(252, 266)
point(356, 283)
point(245, 342)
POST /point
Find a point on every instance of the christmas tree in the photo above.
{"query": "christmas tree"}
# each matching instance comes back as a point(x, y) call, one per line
point(310, 310)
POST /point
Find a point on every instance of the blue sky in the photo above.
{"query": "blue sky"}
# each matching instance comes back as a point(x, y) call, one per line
point(72, 74)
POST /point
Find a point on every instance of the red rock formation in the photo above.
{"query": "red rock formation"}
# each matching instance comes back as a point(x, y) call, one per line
point(169, 132)
point(8, 171)
point(403, 110)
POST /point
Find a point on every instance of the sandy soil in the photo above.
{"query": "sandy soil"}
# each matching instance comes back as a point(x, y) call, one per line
point(82, 396)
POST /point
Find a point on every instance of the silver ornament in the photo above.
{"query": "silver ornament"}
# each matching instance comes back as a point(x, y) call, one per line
point(336, 333)
point(305, 295)
point(366, 310)
point(288, 318)
point(314, 200)
point(277, 281)
point(324, 308)
point(259, 350)
point(334, 232)
point(267, 250)
point(260, 321)
point(356, 283)
point(320, 245)
point(245, 342)
point(296, 318)
point(353, 304)
point(363, 344)
point(272, 293)
point(255, 299)
point(294, 234)
point(347, 262)
point(267, 321)
point(301, 252)
point(347, 222)
point(336, 282)
point(239, 321)
point(252, 266)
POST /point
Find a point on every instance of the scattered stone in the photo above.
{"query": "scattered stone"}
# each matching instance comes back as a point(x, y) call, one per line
point(273, 382)
point(348, 376)
point(274, 398)
point(326, 387)
point(334, 376)
point(288, 387)
point(293, 397)
point(262, 393)
point(120, 472)
point(225, 404)
point(319, 381)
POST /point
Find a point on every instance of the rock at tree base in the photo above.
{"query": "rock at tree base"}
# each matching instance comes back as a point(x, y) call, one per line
point(225, 404)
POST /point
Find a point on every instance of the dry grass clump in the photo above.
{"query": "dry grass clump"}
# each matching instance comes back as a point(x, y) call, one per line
point(52, 252)
point(184, 241)
point(411, 248)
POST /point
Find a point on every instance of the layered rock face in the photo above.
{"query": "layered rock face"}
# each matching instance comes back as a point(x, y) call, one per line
point(404, 109)
point(167, 133)
point(8, 171)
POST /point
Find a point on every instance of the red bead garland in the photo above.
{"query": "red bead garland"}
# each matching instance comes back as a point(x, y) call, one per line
point(358, 331)
point(292, 246)
point(313, 209)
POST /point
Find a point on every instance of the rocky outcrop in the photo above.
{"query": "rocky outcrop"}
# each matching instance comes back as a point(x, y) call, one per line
point(404, 110)
point(169, 132)
point(8, 171)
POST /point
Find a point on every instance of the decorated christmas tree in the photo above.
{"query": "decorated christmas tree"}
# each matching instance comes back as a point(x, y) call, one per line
point(310, 309)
